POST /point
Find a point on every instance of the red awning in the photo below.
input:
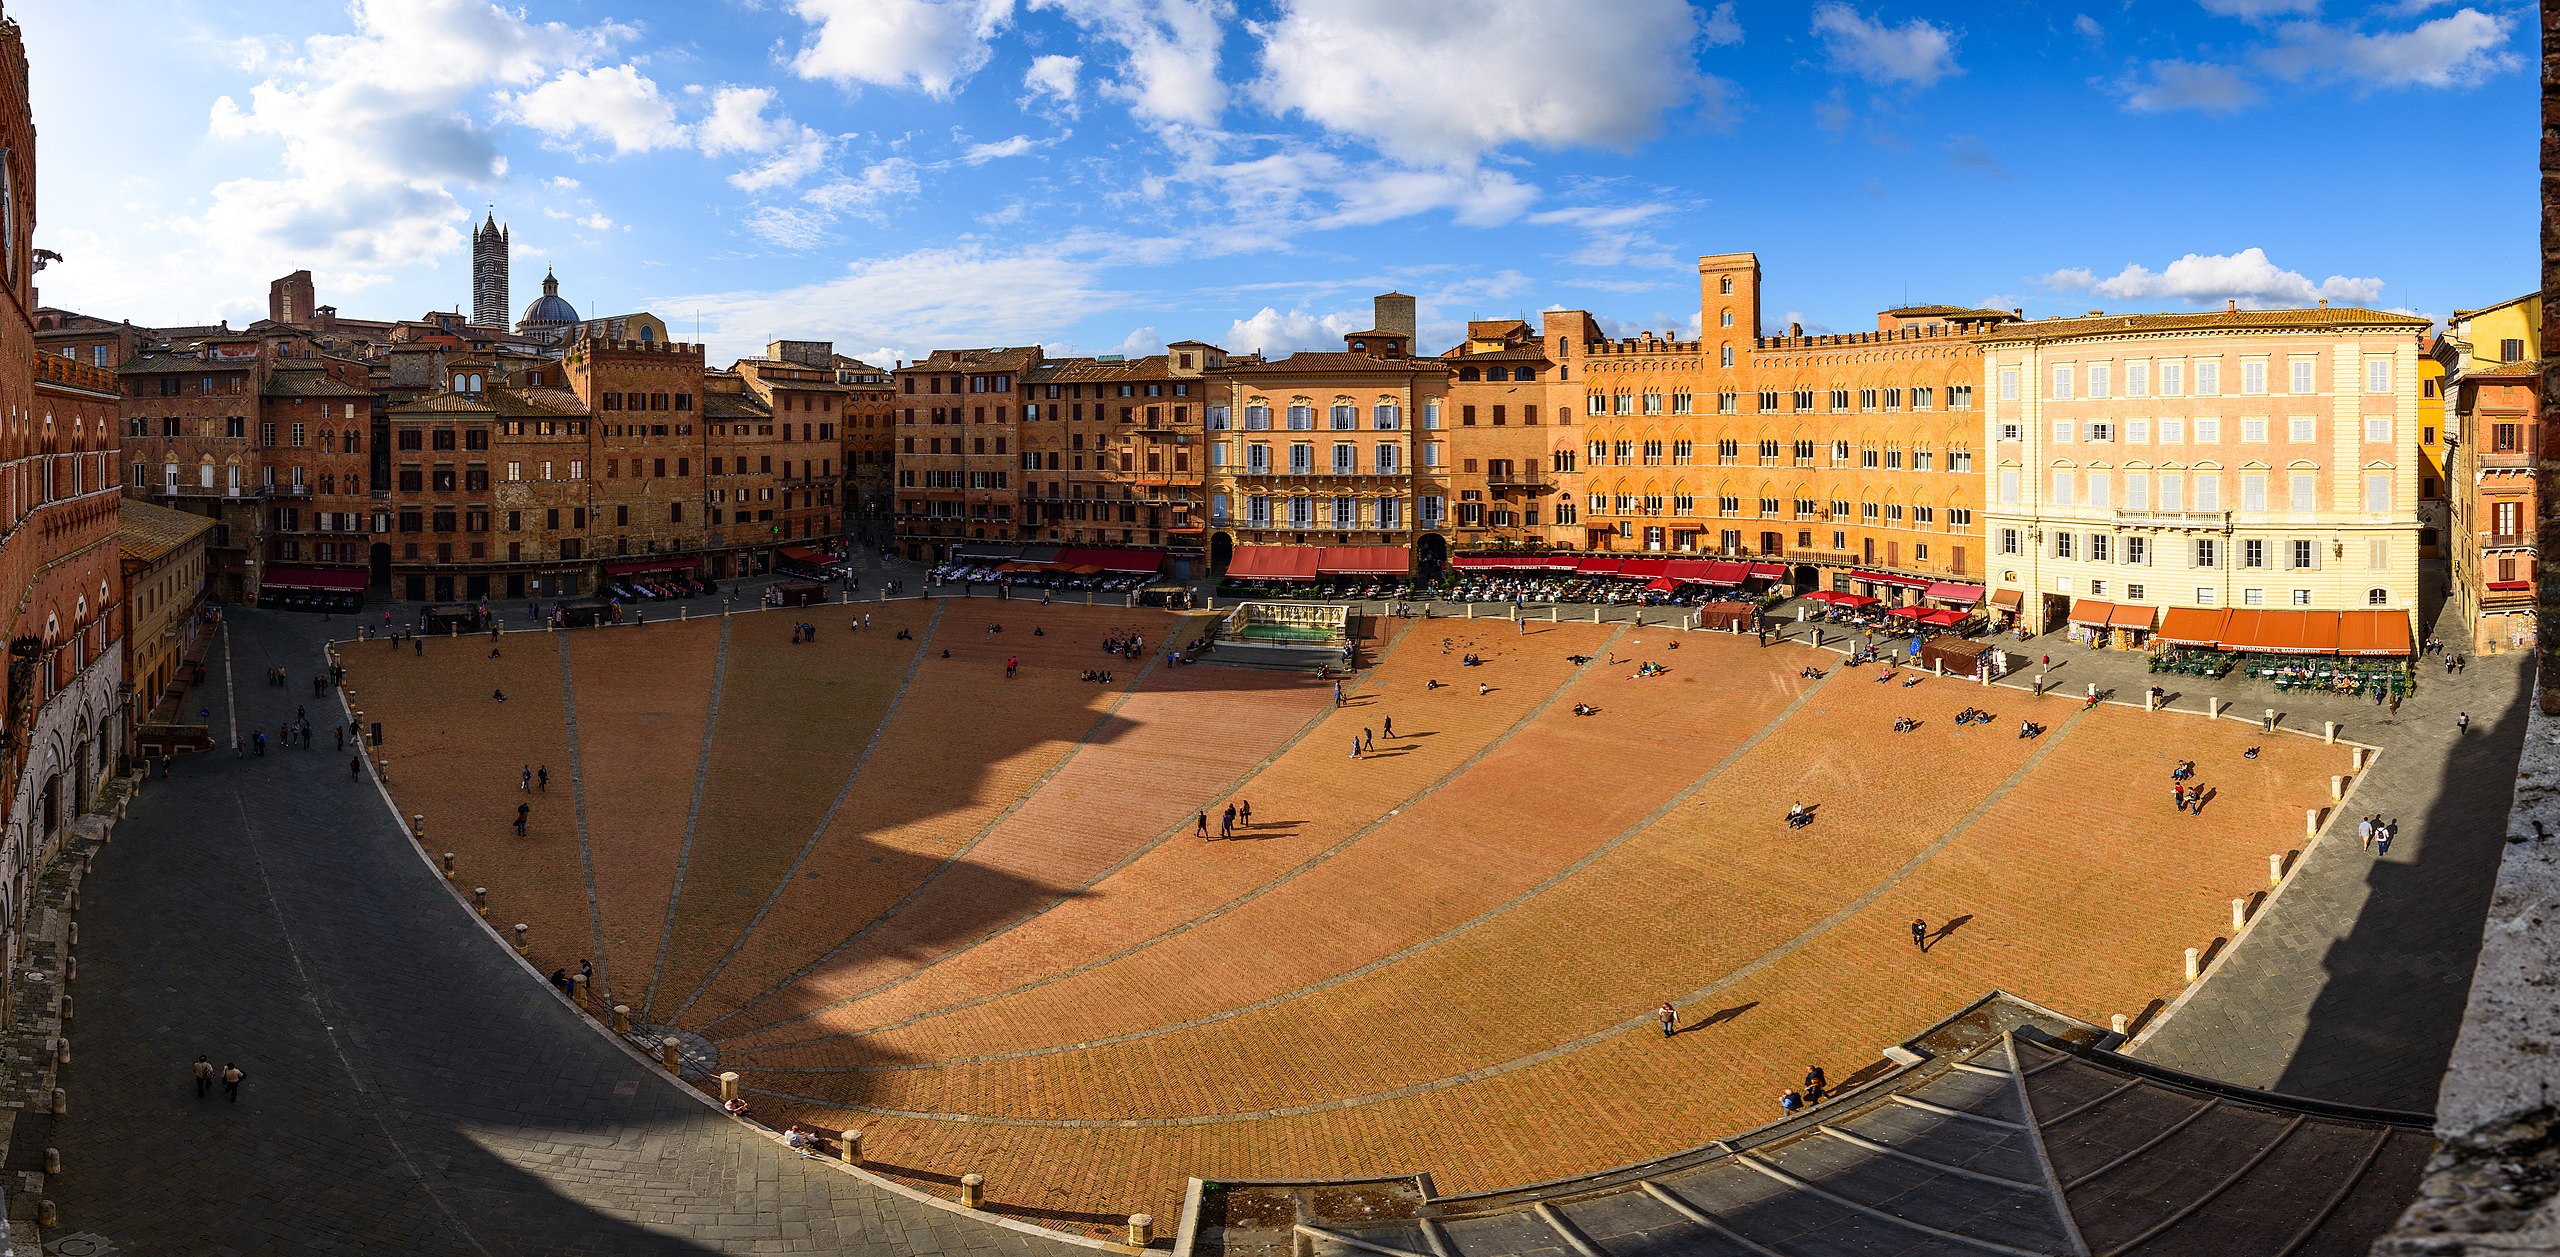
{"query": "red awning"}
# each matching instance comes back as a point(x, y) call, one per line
point(1725, 572)
point(1888, 578)
point(1942, 617)
point(1768, 571)
point(1364, 561)
point(1949, 591)
point(803, 554)
point(1290, 563)
point(2129, 616)
point(1139, 562)
point(2373, 633)
point(1662, 584)
point(2194, 626)
point(1644, 569)
point(2509, 586)
point(1599, 567)
point(2092, 612)
point(1499, 562)
point(329, 579)
point(1840, 599)
point(1908, 613)
point(644, 567)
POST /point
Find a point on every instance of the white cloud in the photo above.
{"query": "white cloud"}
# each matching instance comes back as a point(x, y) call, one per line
point(795, 161)
point(2088, 28)
point(617, 104)
point(1477, 198)
point(1053, 78)
point(2207, 280)
point(2456, 50)
point(1275, 335)
point(1798, 318)
point(955, 296)
point(1141, 342)
point(981, 154)
point(1720, 28)
point(375, 131)
point(1918, 52)
point(1970, 154)
point(785, 227)
point(1612, 234)
point(1445, 81)
point(930, 45)
point(2201, 86)
point(736, 123)
point(2255, 10)
point(561, 183)
point(1168, 71)
point(595, 222)
point(883, 180)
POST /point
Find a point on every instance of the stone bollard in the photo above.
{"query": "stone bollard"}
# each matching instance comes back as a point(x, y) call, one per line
point(448, 866)
point(2269, 723)
point(973, 1190)
point(683, 614)
point(480, 900)
point(61, 1050)
point(71, 934)
point(1595, 613)
point(2213, 708)
point(418, 826)
point(2119, 1023)
point(849, 1146)
point(70, 969)
point(65, 1014)
point(2039, 690)
point(1938, 667)
point(2239, 913)
point(1142, 1230)
point(61, 1102)
point(53, 1160)
point(524, 947)
point(577, 986)
point(46, 1215)
point(2357, 761)
point(1799, 614)
point(2195, 963)
point(2150, 701)
point(2310, 822)
point(728, 1085)
point(2275, 868)
point(1471, 610)
point(2337, 789)
point(2329, 732)
point(622, 1019)
point(671, 1054)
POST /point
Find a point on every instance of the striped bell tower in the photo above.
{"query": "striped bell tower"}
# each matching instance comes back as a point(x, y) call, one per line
point(489, 273)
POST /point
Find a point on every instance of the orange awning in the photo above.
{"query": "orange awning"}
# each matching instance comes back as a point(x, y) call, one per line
point(2128, 616)
point(2092, 612)
point(2247, 630)
point(2373, 633)
point(2313, 632)
point(1364, 561)
point(2008, 599)
point(2194, 626)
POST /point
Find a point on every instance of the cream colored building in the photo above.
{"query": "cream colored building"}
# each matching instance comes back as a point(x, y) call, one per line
point(163, 555)
point(2241, 459)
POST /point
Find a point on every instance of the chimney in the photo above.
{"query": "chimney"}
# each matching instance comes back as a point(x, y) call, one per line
point(2231, 305)
point(1394, 313)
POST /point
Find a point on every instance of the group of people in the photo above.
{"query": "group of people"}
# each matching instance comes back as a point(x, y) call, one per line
point(2377, 833)
point(570, 985)
point(2190, 793)
point(1816, 1087)
point(1239, 812)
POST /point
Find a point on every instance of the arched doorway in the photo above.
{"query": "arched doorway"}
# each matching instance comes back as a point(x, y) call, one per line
point(1222, 551)
point(381, 567)
point(1807, 578)
point(1431, 555)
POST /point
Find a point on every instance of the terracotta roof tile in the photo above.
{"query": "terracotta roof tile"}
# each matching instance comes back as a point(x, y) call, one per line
point(145, 532)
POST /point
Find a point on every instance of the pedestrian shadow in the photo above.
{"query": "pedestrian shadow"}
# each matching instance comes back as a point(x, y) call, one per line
point(1945, 928)
point(1723, 1015)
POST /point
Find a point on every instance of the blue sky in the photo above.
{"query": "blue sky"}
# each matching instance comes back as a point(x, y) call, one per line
point(1106, 175)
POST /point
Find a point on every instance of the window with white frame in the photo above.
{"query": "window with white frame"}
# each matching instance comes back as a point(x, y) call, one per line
point(2306, 555)
point(2137, 552)
point(2302, 431)
point(2377, 492)
point(2173, 431)
point(2008, 541)
point(2012, 432)
point(2377, 375)
point(2302, 375)
point(2377, 555)
point(2137, 431)
point(2209, 378)
point(2102, 431)
point(2253, 377)
point(2062, 431)
point(1257, 417)
point(2173, 379)
point(1389, 458)
point(2100, 548)
point(2101, 379)
point(2098, 490)
point(2208, 553)
point(2377, 429)
point(2253, 491)
point(2008, 384)
point(1959, 397)
point(2253, 431)
point(2061, 383)
point(2137, 379)
point(2208, 491)
point(1346, 458)
point(2208, 432)
point(1386, 416)
point(2204, 595)
point(2173, 491)
point(2061, 488)
point(2137, 491)
point(2253, 597)
point(2302, 488)
point(2008, 486)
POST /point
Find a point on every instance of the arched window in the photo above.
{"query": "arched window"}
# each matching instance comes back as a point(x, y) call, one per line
point(1724, 285)
point(1728, 355)
point(2377, 597)
point(1726, 319)
point(1467, 373)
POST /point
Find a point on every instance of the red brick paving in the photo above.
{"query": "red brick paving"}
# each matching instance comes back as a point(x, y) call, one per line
point(965, 744)
point(643, 696)
point(794, 719)
point(2077, 887)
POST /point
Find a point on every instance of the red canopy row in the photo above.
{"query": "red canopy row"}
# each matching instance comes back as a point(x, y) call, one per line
point(2379, 633)
point(1140, 562)
point(644, 567)
point(1686, 571)
point(1941, 617)
point(1852, 601)
point(1301, 563)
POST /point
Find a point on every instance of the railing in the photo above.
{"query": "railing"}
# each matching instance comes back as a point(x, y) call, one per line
point(1516, 480)
point(2175, 519)
point(2505, 540)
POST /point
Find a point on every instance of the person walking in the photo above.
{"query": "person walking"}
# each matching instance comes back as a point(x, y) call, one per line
point(204, 1076)
point(1389, 724)
point(1368, 739)
point(1669, 1017)
point(1244, 813)
point(1790, 1100)
point(2180, 790)
point(1815, 1084)
point(1227, 822)
point(587, 975)
point(525, 781)
point(524, 812)
point(2462, 723)
point(2364, 833)
point(1920, 933)
point(1355, 748)
point(232, 1075)
point(1337, 693)
point(542, 778)
point(1203, 829)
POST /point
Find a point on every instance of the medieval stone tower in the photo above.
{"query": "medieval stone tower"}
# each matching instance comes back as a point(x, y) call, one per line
point(489, 273)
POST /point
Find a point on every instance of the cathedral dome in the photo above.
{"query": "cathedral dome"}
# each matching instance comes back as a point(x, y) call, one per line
point(550, 309)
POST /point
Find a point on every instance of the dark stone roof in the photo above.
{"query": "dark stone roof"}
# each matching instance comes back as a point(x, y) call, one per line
point(1335, 364)
point(1014, 361)
point(2014, 1131)
point(536, 403)
point(310, 382)
point(442, 404)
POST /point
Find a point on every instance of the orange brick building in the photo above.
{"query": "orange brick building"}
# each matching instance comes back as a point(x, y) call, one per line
point(1112, 450)
point(1853, 458)
point(959, 433)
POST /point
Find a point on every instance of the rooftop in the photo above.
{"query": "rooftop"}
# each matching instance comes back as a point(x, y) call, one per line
point(145, 532)
point(2323, 318)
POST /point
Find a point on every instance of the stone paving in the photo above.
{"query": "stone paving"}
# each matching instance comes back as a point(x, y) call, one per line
point(1017, 959)
point(411, 1089)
